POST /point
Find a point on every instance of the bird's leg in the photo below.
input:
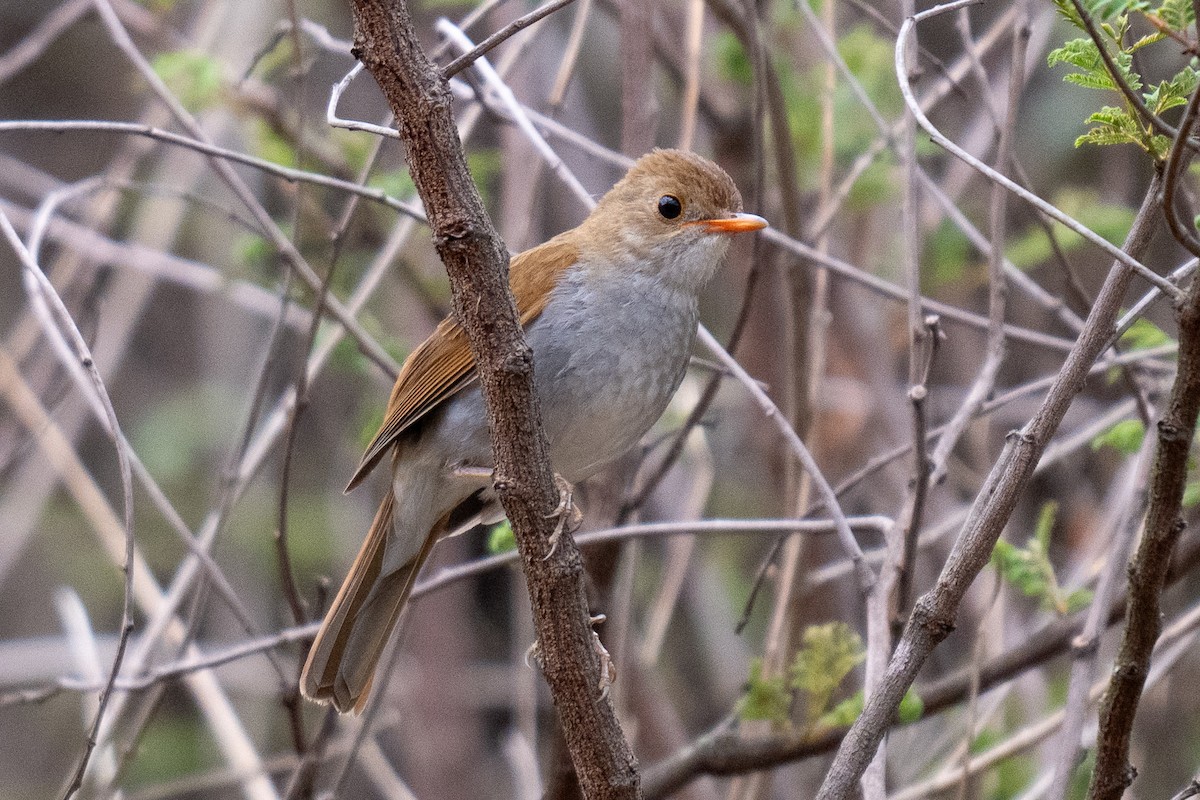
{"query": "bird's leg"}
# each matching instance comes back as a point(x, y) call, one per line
point(567, 512)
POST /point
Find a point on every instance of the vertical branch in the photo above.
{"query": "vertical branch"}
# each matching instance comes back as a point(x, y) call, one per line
point(476, 261)
point(1164, 517)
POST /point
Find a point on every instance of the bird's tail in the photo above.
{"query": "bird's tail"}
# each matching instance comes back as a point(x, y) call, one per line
point(342, 660)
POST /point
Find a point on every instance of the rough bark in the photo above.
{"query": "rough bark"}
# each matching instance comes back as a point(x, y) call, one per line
point(477, 263)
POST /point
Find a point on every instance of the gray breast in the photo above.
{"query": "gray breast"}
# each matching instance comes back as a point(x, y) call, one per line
point(607, 360)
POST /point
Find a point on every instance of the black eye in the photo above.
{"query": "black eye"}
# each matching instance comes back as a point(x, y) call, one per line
point(669, 206)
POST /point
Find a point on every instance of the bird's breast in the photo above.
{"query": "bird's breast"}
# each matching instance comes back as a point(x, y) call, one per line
point(608, 355)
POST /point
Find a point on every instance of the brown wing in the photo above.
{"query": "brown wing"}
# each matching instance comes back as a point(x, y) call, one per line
point(443, 365)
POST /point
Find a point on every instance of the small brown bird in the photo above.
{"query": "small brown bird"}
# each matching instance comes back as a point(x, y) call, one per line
point(610, 310)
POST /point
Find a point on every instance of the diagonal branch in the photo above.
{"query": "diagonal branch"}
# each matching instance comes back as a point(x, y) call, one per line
point(477, 262)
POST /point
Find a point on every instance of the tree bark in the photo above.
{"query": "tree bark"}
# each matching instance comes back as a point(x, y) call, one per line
point(477, 263)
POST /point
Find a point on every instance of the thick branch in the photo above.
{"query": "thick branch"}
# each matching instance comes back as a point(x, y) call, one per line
point(933, 616)
point(477, 263)
point(1147, 572)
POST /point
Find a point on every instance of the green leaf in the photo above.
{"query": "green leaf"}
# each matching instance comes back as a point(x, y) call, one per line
point(732, 62)
point(500, 538)
point(1125, 437)
point(1026, 568)
point(1092, 72)
point(1029, 569)
point(1079, 599)
point(828, 653)
point(1144, 335)
point(1114, 126)
point(192, 76)
point(1191, 494)
point(1172, 93)
point(765, 698)
point(844, 713)
point(912, 707)
point(1176, 14)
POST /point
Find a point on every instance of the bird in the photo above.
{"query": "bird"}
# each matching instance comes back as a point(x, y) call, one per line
point(610, 311)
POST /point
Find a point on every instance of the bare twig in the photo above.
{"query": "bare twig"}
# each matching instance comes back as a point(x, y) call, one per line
point(77, 356)
point(516, 26)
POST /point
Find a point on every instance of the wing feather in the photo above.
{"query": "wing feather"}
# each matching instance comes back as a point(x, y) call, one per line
point(442, 366)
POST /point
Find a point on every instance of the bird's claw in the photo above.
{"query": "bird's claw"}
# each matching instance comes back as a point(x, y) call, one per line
point(568, 514)
point(608, 670)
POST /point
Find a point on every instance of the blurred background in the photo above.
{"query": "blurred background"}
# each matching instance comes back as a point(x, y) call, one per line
point(178, 269)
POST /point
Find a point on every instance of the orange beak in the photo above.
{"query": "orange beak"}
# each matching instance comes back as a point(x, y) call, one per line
point(737, 223)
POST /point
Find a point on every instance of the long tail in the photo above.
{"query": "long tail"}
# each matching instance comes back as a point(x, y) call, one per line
point(341, 663)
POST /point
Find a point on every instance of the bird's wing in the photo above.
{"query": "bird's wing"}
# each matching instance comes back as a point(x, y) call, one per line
point(443, 365)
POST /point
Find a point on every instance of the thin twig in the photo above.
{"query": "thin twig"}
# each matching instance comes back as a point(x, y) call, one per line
point(516, 26)
point(58, 322)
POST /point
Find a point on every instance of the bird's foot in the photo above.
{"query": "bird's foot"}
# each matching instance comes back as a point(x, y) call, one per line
point(608, 670)
point(568, 514)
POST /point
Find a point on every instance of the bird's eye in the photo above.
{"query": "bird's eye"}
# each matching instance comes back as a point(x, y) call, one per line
point(669, 206)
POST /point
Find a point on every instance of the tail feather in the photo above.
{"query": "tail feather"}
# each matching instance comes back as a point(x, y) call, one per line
point(343, 657)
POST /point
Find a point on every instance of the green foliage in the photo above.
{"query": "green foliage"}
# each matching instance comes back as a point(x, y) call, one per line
point(827, 655)
point(733, 63)
point(1172, 93)
point(1117, 126)
point(843, 715)
point(1125, 437)
point(1029, 569)
point(192, 76)
point(1090, 70)
point(1111, 125)
point(272, 146)
point(500, 538)
point(1144, 335)
point(1191, 494)
point(765, 698)
point(396, 182)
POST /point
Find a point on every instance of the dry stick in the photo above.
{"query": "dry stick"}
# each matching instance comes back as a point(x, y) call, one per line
point(1164, 523)
point(690, 102)
point(985, 381)
point(933, 616)
point(59, 327)
point(922, 342)
point(516, 26)
point(198, 145)
point(45, 213)
point(1124, 525)
point(476, 261)
point(566, 68)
